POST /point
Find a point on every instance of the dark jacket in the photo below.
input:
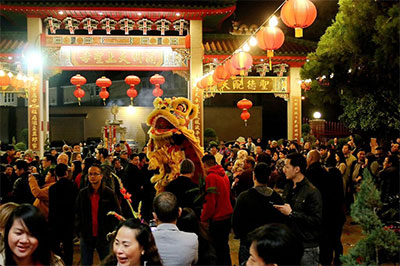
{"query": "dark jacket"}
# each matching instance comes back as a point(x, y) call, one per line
point(179, 187)
point(62, 198)
point(21, 190)
point(306, 217)
point(133, 183)
point(106, 224)
point(245, 181)
point(254, 209)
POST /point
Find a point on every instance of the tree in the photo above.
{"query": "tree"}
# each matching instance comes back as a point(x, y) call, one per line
point(380, 244)
point(356, 63)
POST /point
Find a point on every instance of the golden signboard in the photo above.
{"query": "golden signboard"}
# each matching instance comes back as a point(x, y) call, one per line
point(34, 115)
point(295, 101)
point(254, 85)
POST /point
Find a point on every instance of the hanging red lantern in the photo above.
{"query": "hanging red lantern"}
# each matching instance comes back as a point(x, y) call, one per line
point(157, 80)
point(132, 81)
point(103, 83)
point(78, 81)
point(270, 39)
point(298, 14)
point(230, 69)
point(245, 105)
point(17, 81)
point(242, 61)
point(220, 74)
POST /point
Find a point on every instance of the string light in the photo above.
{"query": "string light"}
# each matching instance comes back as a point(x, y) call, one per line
point(273, 22)
point(246, 47)
point(253, 41)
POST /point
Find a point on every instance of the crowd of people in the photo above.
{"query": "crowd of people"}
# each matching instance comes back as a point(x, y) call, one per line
point(285, 202)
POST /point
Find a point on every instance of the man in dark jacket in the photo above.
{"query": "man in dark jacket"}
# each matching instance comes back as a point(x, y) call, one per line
point(133, 180)
point(217, 208)
point(244, 180)
point(92, 205)
point(21, 190)
point(303, 207)
point(62, 198)
point(254, 209)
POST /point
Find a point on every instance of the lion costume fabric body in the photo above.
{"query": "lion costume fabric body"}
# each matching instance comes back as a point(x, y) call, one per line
point(171, 141)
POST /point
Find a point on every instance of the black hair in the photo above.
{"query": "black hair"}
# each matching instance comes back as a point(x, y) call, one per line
point(296, 159)
point(50, 158)
point(36, 223)
point(262, 172)
point(264, 158)
point(133, 155)
point(61, 170)
point(166, 207)
point(142, 156)
point(145, 239)
point(78, 169)
point(209, 160)
point(103, 152)
point(21, 164)
point(98, 166)
point(188, 221)
point(342, 159)
point(277, 244)
point(394, 160)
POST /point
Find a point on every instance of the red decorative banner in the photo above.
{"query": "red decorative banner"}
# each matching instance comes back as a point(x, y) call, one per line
point(34, 115)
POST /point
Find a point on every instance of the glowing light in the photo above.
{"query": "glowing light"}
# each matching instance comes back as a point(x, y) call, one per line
point(273, 22)
point(303, 98)
point(19, 76)
point(34, 60)
point(10, 58)
point(246, 47)
point(349, 70)
point(100, 13)
point(60, 12)
point(317, 115)
point(178, 14)
point(131, 110)
point(10, 75)
point(253, 41)
point(2, 73)
point(262, 60)
point(140, 13)
point(332, 75)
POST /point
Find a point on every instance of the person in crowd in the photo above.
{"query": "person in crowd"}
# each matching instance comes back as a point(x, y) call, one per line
point(149, 191)
point(53, 152)
point(323, 151)
point(217, 208)
point(133, 180)
point(306, 148)
point(274, 244)
point(107, 170)
point(258, 152)
point(132, 245)
point(76, 169)
point(228, 171)
point(175, 247)
point(244, 179)
point(119, 169)
point(7, 179)
point(117, 150)
point(356, 172)
point(189, 222)
point(394, 150)
point(348, 187)
point(76, 156)
point(47, 163)
point(389, 178)
point(62, 197)
point(223, 149)
point(63, 158)
point(303, 207)
point(27, 239)
point(180, 186)
point(6, 210)
point(250, 145)
point(21, 190)
point(42, 194)
point(9, 156)
point(92, 205)
point(340, 162)
point(214, 151)
point(124, 159)
point(254, 207)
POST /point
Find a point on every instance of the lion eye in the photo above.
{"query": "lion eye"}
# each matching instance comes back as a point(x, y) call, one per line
point(182, 108)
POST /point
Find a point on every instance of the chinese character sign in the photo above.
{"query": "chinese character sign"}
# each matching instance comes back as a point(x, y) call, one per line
point(34, 115)
point(254, 85)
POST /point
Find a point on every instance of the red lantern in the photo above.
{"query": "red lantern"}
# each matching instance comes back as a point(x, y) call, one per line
point(104, 83)
point(78, 81)
point(132, 81)
point(230, 69)
point(270, 39)
point(220, 74)
point(245, 104)
point(242, 61)
point(298, 14)
point(157, 80)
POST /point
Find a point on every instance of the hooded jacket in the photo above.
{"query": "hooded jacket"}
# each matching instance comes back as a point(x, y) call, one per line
point(254, 209)
point(217, 206)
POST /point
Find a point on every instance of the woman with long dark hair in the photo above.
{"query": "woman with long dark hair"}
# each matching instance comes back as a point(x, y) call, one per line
point(133, 244)
point(27, 238)
point(76, 168)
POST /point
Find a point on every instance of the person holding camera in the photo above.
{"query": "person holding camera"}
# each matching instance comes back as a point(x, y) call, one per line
point(21, 191)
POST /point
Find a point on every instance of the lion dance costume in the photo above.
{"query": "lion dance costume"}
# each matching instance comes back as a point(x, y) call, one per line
point(171, 141)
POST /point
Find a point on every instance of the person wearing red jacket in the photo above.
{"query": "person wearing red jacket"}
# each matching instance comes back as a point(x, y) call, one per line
point(217, 209)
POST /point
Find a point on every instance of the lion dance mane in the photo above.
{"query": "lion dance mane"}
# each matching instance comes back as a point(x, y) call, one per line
point(171, 141)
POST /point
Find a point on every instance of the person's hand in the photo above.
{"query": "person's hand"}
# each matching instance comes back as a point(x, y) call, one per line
point(284, 209)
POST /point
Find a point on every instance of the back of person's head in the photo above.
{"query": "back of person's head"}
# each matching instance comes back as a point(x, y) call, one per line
point(394, 160)
point(187, 167)
point(78, 166)
point(264, 158)
point(89, 161)
point(209, 160)
point(188, 221)
point(262, 172)
point(103, 152)
point(250, 160)
point(276, 244)
point(5, 212)
point(22, 165)
point(133, 155)
point(34, 222)
point(61, 170)
point(296, 159)
point(50, 158)
point(166, 207)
